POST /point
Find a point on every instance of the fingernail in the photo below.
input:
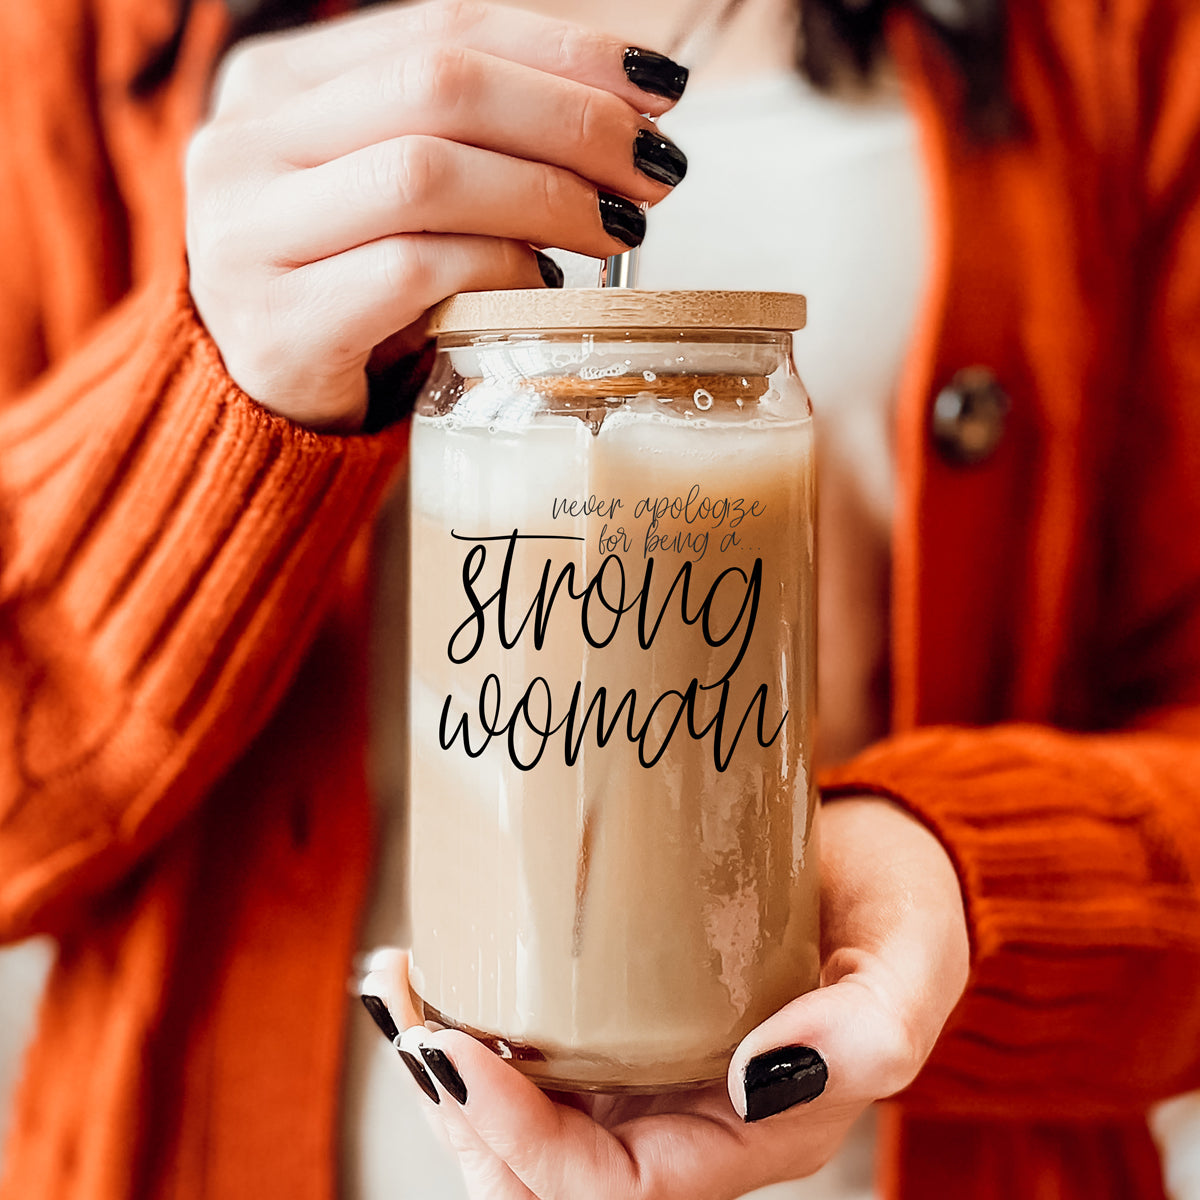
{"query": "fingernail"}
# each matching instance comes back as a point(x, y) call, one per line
point(655, 73)
point(659, 157)
point(381, 1016)
point(418, 1072)
point(622, 219)
point(445, 1072)
point(552, 275)
point(782, 1078)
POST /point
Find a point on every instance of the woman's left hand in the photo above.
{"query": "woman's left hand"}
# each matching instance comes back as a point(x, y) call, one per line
point(895, 958)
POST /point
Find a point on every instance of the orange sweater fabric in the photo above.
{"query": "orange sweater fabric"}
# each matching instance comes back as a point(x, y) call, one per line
point(182, 583)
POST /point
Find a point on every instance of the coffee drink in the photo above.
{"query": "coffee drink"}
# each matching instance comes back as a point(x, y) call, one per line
point(612, 636)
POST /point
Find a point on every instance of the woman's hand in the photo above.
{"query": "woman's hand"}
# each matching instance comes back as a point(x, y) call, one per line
point(894, 966)
point(354, 173)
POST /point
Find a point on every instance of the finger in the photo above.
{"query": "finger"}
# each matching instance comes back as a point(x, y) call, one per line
point(555, 1151)
point(827, 1053)
point(476, 99)
point(889, 888)
point(264, 70)
point(370, 291)
point(485, 1172)
point(347, 304)
point(491, 1112)
point(892, 906)
point(440, 1085)
point(427, 185)
point(387, 978)
point(391, 1006)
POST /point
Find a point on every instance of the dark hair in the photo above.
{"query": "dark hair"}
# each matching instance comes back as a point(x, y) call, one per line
point(841, 38)
point(838, 39)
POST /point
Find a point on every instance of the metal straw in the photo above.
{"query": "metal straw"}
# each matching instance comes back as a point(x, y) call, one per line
point(706, 21)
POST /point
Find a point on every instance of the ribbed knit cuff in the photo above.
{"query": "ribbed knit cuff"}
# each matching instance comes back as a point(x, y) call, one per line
point(1077, 858)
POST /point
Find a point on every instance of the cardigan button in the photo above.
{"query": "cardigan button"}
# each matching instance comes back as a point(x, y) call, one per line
point(969, 416)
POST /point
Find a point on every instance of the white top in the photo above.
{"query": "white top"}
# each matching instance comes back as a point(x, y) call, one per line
point(787, 190)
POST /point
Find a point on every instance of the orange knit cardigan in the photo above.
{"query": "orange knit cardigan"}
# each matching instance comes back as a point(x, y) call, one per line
point(182, 576)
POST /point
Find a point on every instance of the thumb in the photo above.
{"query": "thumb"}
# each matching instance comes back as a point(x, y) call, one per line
point(837, 1048)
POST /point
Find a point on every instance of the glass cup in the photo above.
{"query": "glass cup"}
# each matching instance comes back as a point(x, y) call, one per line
point(612, 643)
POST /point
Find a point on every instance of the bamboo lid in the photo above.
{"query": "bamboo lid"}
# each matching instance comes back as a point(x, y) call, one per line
point(617, 308)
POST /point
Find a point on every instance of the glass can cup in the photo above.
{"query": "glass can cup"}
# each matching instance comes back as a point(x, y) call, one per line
point(612, 641)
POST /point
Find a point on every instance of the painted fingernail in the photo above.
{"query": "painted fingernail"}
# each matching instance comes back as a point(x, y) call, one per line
point(659, 157)
point(445, 1072)
point(380, 1015)
point(552, 275)
point(622, 219)
point(782, 1078)
point(418, 1072)
point(655, 73)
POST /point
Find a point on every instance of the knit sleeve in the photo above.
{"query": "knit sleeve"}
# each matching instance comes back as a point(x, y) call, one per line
point(167, 547)
point(1079, 860)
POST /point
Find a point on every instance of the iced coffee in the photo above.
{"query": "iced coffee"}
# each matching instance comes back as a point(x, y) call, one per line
point(613, 864)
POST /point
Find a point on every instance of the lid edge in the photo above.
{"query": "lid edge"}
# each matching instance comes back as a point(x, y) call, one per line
point(606, 308)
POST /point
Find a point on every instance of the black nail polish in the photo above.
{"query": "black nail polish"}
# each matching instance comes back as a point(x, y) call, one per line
point(552, 275)
point(658, 157)
point(655, 73)
point(622, 219)
point(781, 1078)
point(445, 1072)
point(413, 1063)
point(381, 1016)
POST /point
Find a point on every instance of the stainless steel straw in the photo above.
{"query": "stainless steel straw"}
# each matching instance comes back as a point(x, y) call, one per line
point(706, 21)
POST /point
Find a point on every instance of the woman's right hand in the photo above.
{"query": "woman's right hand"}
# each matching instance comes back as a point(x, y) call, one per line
point(353, 173)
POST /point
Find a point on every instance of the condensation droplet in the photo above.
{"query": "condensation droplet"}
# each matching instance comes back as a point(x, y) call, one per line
point(703, 399)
